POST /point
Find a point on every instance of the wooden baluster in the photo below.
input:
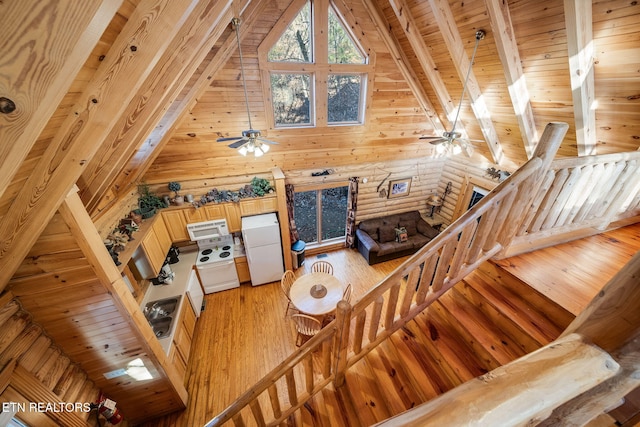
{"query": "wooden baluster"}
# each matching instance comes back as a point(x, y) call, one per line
point(535, 205)
point(427, 277)
point(602, 173)
point(443, 265)
point(237, 420)
point(291, 388)
point(343, 320)
point(462, 249)
point(484, 228)
point(409, 291)
point(375, 318)
point(326, 358)
point(626, 186)
point(359, 332)
point(391, 306)
point(551, 196)
point(275, 401)
point(308, 371)
point(256, 410)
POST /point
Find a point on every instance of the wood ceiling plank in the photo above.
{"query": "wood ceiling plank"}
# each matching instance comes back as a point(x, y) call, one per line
point(165, 83)
point(504, 36)
point(42, 68)
point(135, 52)
point(155, 142)
point(577, 16)
point(401, 62)
point(449, 31)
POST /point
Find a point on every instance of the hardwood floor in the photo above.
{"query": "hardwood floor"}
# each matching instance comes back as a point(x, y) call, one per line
point(243, 334)
point(571, 274)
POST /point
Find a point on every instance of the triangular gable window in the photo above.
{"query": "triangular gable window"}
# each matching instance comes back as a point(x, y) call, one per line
point(294, 45)
point(341, 48)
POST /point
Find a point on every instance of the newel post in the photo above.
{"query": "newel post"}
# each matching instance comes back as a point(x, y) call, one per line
point(341, 343)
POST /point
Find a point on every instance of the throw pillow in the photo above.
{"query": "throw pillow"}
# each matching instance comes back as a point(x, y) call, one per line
point(387, 233)
point(410, 226)
point(401, 235)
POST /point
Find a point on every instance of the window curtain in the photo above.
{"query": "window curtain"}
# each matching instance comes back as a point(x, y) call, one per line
point(293, 230)
point(352, 205)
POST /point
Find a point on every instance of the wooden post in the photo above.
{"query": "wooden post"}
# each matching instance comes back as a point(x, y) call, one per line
point(281, 197)
point(343, 320)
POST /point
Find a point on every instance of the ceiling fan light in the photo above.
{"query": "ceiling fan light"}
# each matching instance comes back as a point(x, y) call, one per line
point(242, 150)
point(441, 148)
point(258, 152)
point(265, 148)
point(250, 147)
point(456, 149)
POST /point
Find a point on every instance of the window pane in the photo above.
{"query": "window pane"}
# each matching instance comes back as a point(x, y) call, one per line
point(342, 49)
point(334, 212)
point(294, 45)
point(304, 213)
point(344, 97)
point(291, 96)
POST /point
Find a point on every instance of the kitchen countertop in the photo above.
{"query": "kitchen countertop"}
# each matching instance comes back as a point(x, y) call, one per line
point(177, 288)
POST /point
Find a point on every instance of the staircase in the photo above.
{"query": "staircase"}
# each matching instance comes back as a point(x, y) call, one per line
point(488, 320)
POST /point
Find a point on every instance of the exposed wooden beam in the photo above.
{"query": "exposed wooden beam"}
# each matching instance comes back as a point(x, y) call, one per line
point(151, 147)
point(133, 55)
point(505, 39)
point(194, 41)
point(404, 16)
point(401, 61)
point(577, 18)
point(446, 23)
point(44, 45)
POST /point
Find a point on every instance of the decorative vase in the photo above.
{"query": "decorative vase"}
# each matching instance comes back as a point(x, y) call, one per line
point(179, 200)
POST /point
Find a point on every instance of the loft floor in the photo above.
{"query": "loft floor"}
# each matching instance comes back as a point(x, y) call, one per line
point(571, 274)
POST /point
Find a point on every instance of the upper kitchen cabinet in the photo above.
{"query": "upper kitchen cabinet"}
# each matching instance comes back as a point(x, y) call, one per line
point(176, 223)
point(258, 206)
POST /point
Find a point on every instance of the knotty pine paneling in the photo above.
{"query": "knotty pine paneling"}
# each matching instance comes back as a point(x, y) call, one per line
point(64, 295)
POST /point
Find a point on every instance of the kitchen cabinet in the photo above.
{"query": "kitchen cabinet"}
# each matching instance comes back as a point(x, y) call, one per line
point(176, 224)
point(194, 215)
point(258, 206)
point(179, 354)
point(214, 211)
point(155, 245)
point(232, 213)
point(242, 268)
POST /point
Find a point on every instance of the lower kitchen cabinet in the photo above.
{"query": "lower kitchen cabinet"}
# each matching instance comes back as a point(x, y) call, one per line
point(179, 353)
point(242, 267)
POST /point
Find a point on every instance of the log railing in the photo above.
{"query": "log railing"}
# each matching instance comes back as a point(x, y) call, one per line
point(580, 197)
point(471, 240)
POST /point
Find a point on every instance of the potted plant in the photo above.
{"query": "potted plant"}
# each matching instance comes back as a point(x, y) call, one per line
point(148, 202)
point(175, 187)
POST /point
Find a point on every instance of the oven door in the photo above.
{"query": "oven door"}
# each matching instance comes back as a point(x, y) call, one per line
point(218, 276)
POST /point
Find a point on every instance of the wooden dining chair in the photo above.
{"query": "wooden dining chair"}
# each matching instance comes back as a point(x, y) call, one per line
point(322, 267)
point(307, 326)
point(285, 283)
point(346, 295)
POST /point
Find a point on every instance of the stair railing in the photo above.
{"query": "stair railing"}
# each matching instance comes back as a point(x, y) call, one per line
point(463, 246)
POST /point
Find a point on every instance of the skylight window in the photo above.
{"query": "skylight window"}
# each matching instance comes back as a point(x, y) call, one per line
point(317, 71)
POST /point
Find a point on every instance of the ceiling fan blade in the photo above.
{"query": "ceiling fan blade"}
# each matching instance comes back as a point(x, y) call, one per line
point(231, 138)
point(266, 140)
point(438, 141)
point(238, 143)
point(430, 137)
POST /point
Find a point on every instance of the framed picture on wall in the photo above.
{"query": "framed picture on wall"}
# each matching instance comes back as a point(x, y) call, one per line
point(399, 187)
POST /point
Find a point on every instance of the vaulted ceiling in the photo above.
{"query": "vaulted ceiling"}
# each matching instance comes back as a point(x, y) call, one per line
point(105, 93)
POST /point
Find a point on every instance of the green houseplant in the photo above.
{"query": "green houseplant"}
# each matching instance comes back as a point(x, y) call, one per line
point(148, 202)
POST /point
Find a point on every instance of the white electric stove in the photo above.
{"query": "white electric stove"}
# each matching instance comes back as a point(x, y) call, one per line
point(215, 264)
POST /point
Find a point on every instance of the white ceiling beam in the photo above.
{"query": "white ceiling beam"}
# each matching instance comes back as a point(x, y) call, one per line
point(402, 62)
point(504, 36)
point(577, 17)
point(449, 31)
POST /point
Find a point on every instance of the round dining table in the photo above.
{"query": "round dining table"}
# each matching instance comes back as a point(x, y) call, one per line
point(316, 293)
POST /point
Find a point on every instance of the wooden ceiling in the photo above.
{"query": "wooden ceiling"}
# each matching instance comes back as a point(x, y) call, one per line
point(103, 94)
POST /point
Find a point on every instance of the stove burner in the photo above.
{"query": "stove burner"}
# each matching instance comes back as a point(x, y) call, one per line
point(204, 259)
point(224, 254)
point(207, 251)
point(226, 248)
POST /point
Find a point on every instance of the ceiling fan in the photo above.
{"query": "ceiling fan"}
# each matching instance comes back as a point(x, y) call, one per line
point(250, 141)
point(452, 141)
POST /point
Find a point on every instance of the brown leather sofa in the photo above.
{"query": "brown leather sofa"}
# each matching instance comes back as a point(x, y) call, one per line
point(376, 238)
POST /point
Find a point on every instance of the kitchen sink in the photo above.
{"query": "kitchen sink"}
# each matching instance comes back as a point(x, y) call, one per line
point(161, 326)
point(161, 308)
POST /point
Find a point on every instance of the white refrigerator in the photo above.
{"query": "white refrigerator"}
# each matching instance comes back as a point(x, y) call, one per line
point(261, 235)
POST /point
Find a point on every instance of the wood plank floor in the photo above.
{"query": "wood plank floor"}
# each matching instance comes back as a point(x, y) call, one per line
point(573, 273)
point(243, 334)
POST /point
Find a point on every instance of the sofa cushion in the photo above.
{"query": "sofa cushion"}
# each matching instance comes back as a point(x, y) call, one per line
point(387, 233)
point(392, 247)
point(427, 230)
point(370, 227)
point(419, 241)
point(410, 226)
